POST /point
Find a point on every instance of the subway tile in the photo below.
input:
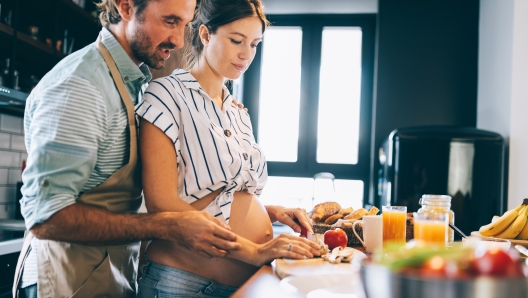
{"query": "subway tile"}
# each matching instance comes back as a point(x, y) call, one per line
point(4, 173)
point(11, 123)
point(7, 194)
point(10, 159)
point(17, 143)
point(14, 176)
point(4, 140)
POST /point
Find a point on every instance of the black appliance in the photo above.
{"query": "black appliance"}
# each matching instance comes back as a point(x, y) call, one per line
point(465, 163)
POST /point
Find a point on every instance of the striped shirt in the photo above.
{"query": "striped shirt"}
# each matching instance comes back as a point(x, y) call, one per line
point(76, 133)
point(215, 147)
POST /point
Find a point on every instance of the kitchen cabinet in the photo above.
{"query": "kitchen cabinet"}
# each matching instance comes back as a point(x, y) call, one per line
point(34, 36)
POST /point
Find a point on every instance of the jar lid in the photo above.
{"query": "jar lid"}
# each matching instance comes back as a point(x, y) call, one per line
point(435, 198)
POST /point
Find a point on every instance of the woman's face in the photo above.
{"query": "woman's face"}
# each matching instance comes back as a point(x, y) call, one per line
point(231, 49)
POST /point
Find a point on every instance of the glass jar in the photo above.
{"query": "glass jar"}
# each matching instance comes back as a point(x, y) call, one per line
point(439, 204)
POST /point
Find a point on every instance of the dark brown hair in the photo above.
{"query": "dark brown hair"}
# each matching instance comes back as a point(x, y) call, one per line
point(108, 13)
point(214, 14)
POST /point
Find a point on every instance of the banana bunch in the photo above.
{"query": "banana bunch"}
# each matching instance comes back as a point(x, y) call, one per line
point(512, 224)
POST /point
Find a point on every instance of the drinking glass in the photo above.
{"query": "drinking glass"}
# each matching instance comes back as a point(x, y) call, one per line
point(431, 227)
point(394, 223)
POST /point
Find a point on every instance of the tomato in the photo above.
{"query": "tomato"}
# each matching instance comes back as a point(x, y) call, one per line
point(438, 267)
point(497, 262)
point(304, 231)
point(335, 238)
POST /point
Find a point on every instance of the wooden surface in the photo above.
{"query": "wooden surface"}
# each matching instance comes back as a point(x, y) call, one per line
point(263, 284)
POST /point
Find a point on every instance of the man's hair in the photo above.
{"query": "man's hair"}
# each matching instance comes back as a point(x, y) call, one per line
point(109, 15)
point(214, 14)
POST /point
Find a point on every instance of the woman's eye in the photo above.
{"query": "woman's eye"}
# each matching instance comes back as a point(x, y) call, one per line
point(255, 45)
point(235, 41)
point(169, 23)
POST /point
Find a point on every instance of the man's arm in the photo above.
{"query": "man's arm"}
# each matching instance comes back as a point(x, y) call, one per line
point(83, 224)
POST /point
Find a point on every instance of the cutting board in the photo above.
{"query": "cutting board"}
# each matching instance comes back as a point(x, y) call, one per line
point(288, 267)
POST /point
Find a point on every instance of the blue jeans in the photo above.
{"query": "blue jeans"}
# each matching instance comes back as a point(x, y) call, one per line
point(163, 281)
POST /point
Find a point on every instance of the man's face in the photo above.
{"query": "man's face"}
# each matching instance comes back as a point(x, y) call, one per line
point(159, 29)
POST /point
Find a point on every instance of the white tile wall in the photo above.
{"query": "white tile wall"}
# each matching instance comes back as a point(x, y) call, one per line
point(5, 140)
point(10, 159)
point(4, 176)
point(17, 143)
point(12, 152)
point(11, 123)
point(15, 175)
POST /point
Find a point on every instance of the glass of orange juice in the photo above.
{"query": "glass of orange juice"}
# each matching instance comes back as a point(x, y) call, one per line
point(394, 223)
point(431, 227)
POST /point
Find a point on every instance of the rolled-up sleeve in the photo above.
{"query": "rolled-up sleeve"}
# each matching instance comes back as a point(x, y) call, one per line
point(64, 125)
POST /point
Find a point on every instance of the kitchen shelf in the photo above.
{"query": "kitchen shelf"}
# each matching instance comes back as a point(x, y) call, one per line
point(6, 29)
point(79, 10)
point(35, 43)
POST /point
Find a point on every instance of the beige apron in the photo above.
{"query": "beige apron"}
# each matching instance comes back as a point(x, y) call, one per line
point(72, 270)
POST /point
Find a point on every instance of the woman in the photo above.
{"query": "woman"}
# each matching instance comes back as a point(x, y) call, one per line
point(198, 153)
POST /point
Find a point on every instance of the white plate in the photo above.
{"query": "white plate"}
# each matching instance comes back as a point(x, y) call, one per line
point(308, 284)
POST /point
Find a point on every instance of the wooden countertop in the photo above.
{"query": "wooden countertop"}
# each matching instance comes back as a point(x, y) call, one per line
point(263, 284)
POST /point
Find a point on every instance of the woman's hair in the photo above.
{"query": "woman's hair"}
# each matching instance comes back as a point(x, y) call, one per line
point(214, 14)
point(110, 15)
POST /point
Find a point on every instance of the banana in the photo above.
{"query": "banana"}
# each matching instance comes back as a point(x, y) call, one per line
point(495, 218)
point(502, 223)
point(523, 235)
point(517, 226)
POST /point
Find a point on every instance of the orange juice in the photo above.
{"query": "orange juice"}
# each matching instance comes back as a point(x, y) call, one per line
point(432, 231)
point(394, 224)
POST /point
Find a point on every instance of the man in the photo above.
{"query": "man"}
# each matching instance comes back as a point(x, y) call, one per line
point(82, 188)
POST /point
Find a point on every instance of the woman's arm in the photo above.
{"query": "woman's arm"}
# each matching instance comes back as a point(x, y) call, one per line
point(160, 186)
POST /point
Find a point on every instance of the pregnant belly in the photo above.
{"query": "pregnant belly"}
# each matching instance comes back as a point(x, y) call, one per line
point(249, 219)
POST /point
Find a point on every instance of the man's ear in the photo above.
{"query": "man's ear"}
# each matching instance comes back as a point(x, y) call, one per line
point(125, 9)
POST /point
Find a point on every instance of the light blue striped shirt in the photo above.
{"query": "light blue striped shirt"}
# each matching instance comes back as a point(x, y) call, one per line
point(76, 132)
point(215, 146)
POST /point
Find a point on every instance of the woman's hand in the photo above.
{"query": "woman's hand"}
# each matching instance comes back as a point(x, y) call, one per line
point(290, 217)
point(286, 246)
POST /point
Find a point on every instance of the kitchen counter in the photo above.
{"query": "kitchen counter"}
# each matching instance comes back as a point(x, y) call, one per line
point(11, 236)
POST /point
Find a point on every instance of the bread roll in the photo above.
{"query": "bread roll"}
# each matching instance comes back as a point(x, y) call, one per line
point(358, 214)
point(324, 210)
point(333, 219)
point(346, 211)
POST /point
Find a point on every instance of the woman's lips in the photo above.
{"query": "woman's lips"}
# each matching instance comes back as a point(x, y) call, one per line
point(239, 67)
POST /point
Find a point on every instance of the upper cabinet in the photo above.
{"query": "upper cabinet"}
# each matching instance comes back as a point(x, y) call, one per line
point(34, 36)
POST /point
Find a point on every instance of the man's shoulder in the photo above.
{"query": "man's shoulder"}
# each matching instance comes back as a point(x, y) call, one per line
point(86, 63)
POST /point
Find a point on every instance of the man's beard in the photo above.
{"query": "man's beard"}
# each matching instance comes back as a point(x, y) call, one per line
point(140, 45)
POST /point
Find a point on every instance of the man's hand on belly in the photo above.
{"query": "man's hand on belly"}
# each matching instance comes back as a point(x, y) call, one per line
point(201, 232)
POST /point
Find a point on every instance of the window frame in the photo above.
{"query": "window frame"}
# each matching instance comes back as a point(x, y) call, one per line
point(306, 164)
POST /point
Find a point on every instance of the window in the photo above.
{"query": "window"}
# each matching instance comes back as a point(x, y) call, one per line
point(309, 93)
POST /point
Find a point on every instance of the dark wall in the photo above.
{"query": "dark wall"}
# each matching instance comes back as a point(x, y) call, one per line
point(426, 67)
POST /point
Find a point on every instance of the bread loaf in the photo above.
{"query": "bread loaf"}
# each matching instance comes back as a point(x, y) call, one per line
point(324, 210)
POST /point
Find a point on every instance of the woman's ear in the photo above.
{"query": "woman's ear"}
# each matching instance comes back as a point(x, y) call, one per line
point(203, 32)
point(125, 9)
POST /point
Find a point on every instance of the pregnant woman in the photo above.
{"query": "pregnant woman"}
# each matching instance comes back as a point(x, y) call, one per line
point(198, 153)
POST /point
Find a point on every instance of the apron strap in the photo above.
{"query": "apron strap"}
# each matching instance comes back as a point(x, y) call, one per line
point(125, 97)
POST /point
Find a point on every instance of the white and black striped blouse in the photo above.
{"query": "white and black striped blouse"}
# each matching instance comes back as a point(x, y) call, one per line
point(215, 147)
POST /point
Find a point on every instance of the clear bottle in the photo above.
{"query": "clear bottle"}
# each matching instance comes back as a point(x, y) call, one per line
point(439, 204)
point(4, 73)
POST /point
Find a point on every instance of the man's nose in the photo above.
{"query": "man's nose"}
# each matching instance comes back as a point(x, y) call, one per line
point(177, 37)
